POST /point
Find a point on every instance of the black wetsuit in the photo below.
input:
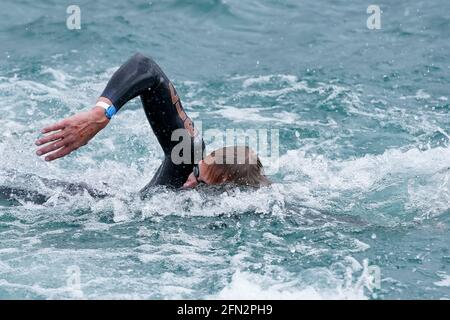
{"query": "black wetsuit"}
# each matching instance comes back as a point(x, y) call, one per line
point(141, 76)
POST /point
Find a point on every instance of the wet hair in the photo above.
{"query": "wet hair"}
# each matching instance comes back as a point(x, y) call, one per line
point(237, 164)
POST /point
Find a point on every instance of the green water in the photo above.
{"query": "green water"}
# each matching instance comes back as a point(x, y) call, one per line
point(364, 168)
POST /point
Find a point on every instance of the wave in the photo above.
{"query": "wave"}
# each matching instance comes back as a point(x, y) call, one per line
point(245, 285)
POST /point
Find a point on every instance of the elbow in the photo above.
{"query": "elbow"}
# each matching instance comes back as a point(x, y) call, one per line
point(139, 56)
point(141, 59)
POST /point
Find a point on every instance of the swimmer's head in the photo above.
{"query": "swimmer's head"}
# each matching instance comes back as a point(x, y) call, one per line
point(238, 165)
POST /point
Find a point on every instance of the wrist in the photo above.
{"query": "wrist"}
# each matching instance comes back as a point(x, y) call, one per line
point(104, 99)
point(98, 115)
point(107, 105)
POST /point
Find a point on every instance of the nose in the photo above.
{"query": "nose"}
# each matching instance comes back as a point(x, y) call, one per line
point(191, 182)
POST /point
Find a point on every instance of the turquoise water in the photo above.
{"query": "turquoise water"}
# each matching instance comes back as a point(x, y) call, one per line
point(363, 119)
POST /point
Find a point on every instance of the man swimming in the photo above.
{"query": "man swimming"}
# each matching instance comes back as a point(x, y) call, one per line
point(141, 76)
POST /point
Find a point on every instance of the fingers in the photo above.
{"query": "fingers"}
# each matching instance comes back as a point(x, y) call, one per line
point(57, 126)
point(51, 147)
point(49, 138)
point(60, 153)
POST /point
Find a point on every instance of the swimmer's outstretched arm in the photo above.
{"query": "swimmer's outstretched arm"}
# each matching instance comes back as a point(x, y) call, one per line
point(71, 133)
point(137, 75)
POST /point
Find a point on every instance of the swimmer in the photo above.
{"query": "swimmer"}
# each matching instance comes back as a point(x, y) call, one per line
point(141, 76)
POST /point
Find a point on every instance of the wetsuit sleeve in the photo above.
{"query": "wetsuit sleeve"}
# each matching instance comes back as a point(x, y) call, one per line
point(141, 76)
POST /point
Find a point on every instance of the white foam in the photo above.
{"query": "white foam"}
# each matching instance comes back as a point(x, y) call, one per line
point(254, 115)
point(246, 285)
point(420, 95)
point(445, 280)
point(364, 172)
point(196, 203)
point(4, 267)
point(251, 81)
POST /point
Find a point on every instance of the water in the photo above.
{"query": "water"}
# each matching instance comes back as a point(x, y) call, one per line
point(364, 173)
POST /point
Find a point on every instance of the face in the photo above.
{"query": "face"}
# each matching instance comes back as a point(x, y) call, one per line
point(193, 180)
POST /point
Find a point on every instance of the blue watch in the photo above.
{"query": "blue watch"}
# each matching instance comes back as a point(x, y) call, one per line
point(110, 111)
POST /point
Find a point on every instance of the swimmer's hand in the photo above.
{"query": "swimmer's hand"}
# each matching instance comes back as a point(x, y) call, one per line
point(71, 133)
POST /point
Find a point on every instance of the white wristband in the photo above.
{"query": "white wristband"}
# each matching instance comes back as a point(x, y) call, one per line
point(102, 104)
